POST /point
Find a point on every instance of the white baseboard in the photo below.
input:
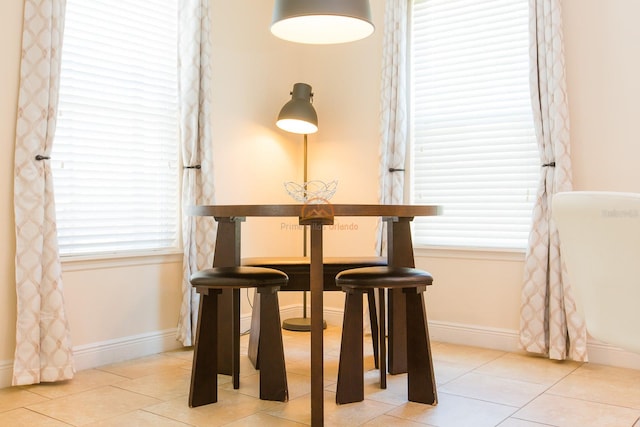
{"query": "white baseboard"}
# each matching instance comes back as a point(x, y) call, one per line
point(127, 348)
point(476, 336)
point(486, 337)
point(6, 373)
point(605, 354)
point(121, 349)
point(108, 352)
point(508, 340)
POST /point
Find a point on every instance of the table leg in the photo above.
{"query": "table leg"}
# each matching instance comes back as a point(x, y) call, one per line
point(400, 253)
point(227, 254)
point(317, 347)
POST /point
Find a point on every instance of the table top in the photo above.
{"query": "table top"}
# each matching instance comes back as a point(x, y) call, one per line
point(299, 210)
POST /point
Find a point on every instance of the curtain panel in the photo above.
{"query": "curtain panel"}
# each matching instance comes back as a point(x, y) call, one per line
point(43, 340)
point(194, 79)
point(549, 321)
point(394, 106)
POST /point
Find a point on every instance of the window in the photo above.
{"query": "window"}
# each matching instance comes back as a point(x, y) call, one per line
point(473, 143)
point(115, 154)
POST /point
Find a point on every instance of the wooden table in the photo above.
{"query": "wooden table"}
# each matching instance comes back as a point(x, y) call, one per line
point(399, 253)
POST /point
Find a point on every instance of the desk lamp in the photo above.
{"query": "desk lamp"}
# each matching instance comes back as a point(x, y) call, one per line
point(299, 116)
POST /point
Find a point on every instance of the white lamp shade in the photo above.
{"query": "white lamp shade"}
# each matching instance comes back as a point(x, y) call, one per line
point(322, 21)
point(298, 115)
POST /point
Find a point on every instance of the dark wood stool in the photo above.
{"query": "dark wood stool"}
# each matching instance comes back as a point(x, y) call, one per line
point(211, 282)
point(297, 269)
point(356, 282)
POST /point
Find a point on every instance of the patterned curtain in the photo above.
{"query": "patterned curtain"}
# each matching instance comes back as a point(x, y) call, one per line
point(43, 343)
point(393, 119)
point(195, 136)
point(549, 322)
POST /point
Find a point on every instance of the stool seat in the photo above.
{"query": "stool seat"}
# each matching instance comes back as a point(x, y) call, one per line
point(297, 268)
point(383, 277)
point(238, 277)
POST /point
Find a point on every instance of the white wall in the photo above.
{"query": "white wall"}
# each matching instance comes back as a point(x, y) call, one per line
point(253, 74)
point(603, 65)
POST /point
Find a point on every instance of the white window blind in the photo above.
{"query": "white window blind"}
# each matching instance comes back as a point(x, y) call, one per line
point(115, 152)
point(473, 142)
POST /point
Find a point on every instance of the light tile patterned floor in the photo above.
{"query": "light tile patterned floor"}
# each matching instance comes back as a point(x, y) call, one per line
point(476, 387)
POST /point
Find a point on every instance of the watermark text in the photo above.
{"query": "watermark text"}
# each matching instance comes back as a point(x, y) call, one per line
point(620, 213)
point(336, 226)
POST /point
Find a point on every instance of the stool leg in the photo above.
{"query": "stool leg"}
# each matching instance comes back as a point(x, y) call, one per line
point(225, 332)
point(382, 341)
point(350, 386)
point(397, 339)
point(273, 376)
point(421, 381)
point(204, 372)
point(373, 320)
point(235, 337)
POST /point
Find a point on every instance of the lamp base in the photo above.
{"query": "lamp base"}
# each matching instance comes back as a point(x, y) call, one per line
point(300, 324)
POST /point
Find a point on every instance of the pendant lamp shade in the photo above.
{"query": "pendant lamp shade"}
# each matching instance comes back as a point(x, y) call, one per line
point(298, 115)
point(322, 21)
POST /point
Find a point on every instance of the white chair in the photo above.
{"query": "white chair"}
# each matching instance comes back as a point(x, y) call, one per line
point(600, 244)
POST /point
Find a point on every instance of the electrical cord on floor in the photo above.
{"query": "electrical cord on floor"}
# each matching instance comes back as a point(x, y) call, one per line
point(249, 299)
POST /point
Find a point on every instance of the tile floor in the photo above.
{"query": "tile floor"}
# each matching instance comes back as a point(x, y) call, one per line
point(476, 387)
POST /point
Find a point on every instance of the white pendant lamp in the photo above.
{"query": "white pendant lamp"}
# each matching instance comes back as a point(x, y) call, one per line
point(322, 21)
